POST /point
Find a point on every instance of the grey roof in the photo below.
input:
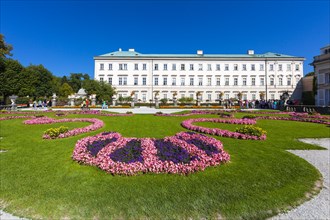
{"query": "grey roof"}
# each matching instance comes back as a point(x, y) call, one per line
point(130, 54)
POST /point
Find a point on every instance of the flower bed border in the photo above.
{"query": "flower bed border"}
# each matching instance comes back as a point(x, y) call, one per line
point(151, 163)
point(97, 124)
point(188, 124)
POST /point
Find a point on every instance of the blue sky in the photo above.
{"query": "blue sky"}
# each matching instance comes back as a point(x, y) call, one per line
point(65, 35)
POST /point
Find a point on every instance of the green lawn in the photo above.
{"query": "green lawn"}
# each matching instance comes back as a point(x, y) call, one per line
point(40, 180)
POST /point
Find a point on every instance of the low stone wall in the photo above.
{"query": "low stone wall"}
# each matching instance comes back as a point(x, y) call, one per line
point(308, 108)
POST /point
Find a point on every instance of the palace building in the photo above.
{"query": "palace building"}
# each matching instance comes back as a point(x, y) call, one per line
point(250, 74)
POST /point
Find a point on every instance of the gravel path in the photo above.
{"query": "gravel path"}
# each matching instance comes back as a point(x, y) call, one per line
point(315, 209)
point(319, 207)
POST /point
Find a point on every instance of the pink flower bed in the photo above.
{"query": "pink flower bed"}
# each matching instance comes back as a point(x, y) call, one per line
point(188, 124)
point(97, 112)
point(96, 124)
point(301, 119)
point(306, 115)
point(189, 152)
point(15, 117)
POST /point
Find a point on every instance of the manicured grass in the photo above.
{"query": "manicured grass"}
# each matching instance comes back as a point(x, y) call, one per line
point(40, 180)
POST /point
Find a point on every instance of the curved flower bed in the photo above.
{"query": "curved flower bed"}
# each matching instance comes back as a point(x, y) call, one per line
point(188, 124)
point(301, 119)
point(183, 153)
point(306, 115)
point(97, 123)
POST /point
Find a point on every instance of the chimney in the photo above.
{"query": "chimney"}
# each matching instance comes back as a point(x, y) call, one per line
point(131, 50)
point(199, 52)
point(250, 52)
point(120, 49)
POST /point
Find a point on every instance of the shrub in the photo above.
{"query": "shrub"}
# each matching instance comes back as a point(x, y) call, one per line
point(226, 115)
point(55, 132)
point(249, 116)
point(251, 130)
point(129, 112)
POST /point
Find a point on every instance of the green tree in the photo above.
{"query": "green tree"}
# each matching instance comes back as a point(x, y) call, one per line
point(76, 80)
point(65, 90)
point(35, 80)
point(56, 84)
point(10, 78)
point(5, 49)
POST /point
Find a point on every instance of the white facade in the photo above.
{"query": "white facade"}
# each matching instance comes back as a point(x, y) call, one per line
point(322, 72)
point(210, 74)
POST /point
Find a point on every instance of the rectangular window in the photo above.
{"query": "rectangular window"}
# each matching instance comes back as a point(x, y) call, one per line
point(191, 67)
point(209, 81)
point(289, 82)
point(280, 81)
point(165, 96)
point(125, 81)
point(120, 66)
point(272, 96)
point(271, 67)
point(165, 66)
point(253, 81)
point(191, 96)
point(244, 67)
point(183, 67)
point(136, 66)
point(227, 96)
point(144, 81)
point(244, 81)
point(209, 97)
point(101, 66)
point(156, 66)
point(253, 96)
point(297, 67)
point(271, 81)
point(261, 67)
point(110, 80)
point(173, 66)
point(288, 67)
point(262, 81)
point(209, 67)
point(200, 81)
point(110, 66)
point(226, 81)
point(280, 67)
point(235, 67)
point(226, 67)
point(182, 81)
point(235, 81)
point(144, 66)
point(200, 67)
point(218, 81)
point(191, 82)
point(182, 95)
point(120, 81)
point(101, 79)
point(135, 81)
point(156, 81)
point(253, 67)
point(244, 96)
point(144, 97)
point(173, 81)
point(165, 81)
point(218, 67)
